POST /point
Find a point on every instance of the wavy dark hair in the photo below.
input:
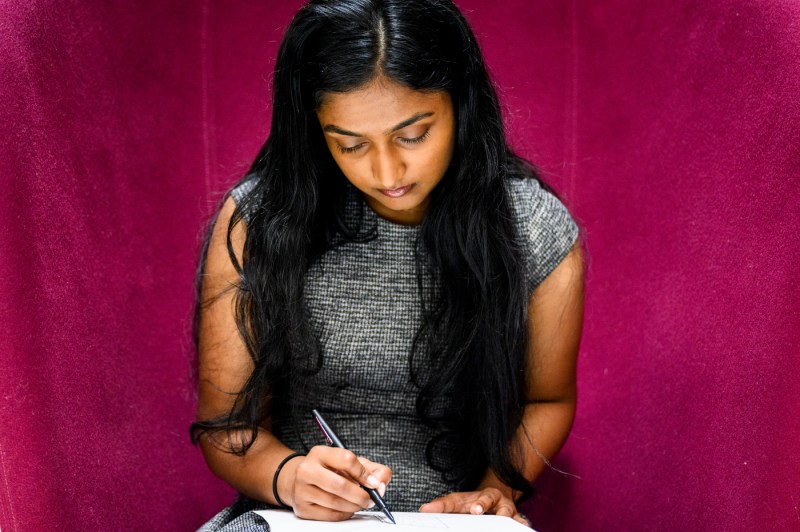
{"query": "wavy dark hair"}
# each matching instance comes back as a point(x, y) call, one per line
point(471, 350)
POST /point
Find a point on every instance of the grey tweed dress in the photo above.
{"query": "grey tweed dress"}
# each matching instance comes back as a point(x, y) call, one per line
point(363, 307)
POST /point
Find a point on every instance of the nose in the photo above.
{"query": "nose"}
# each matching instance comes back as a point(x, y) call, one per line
point(387, 168)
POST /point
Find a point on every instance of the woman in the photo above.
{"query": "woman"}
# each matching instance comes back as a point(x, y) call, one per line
point(390, 262)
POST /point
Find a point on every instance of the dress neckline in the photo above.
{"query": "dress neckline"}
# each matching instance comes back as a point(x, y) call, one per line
point(384, 226)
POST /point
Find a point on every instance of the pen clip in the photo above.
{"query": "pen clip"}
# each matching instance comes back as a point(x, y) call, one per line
point(324, 432)
point(330, 435)
point(323, 429)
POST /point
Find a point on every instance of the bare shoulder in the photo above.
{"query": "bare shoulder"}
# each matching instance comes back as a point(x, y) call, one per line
point(218, 262)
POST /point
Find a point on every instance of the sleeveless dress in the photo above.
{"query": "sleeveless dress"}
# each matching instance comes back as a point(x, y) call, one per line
point(363, 307)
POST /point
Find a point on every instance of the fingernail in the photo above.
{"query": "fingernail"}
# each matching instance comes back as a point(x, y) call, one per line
point(478, 509)
point(371, 504)
point(373, 482)
point(382, 489)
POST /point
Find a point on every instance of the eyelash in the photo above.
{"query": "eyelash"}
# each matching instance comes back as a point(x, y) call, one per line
point(415, 140)
point(349, 150)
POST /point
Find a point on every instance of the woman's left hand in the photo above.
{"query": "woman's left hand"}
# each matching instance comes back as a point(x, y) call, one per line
point(485, 501)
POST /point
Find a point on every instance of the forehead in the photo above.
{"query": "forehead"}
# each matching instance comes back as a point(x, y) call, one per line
point(378, 105)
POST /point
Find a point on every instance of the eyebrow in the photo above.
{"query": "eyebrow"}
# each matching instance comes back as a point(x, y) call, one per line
point(407, 122)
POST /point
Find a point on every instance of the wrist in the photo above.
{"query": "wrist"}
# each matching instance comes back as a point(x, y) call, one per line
point(286, 479)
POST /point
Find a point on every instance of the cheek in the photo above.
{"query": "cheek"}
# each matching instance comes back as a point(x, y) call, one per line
point(442, 153)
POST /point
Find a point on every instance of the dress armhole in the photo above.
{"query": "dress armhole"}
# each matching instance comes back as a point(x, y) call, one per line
point(546, 227)
point(240, 192)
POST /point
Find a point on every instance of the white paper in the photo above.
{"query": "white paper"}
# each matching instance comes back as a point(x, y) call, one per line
point(286, 521)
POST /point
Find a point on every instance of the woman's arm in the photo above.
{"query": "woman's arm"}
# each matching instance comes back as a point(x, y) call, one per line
point(555, 321)
point(306, 483)
point(224, 366)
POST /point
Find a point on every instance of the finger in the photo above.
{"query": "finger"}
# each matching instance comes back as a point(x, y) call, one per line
point(320, 513)
point(332, 482)
point(444, 505)
point(332, 501)
point(347, 462)
point(379, 471)
point(505, 508)
point(486, 501)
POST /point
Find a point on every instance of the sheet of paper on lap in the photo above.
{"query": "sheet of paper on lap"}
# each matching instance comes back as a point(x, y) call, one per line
point(283, 521)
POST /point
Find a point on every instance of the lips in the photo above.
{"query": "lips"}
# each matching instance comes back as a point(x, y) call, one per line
point(396, 192)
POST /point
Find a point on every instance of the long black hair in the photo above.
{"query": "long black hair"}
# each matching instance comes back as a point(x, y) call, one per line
point(472, 347)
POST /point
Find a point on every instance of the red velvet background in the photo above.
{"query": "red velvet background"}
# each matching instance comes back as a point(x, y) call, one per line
point(670, 129)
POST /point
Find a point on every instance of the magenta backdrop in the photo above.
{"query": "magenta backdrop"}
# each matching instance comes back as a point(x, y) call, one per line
point(670, 129)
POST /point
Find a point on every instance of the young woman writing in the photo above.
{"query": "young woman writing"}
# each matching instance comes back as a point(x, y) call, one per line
point(390, 262)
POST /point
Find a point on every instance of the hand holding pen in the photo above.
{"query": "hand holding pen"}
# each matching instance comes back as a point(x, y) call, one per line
point(369, 487)
point(325, 485)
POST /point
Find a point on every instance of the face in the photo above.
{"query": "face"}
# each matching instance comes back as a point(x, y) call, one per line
point(392, 143)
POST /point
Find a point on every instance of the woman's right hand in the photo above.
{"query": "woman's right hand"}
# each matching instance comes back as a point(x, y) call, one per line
point(325, 485)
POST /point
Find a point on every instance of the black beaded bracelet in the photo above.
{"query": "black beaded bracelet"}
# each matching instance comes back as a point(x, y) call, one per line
point(275, 479)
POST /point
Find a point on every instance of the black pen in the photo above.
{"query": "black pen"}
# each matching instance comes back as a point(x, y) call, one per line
point(336, 442)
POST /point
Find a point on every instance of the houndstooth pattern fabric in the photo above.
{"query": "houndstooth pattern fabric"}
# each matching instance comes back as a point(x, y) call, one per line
point(363, 309)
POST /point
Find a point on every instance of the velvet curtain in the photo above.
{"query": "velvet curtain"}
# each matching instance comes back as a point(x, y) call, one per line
point(669, 128)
